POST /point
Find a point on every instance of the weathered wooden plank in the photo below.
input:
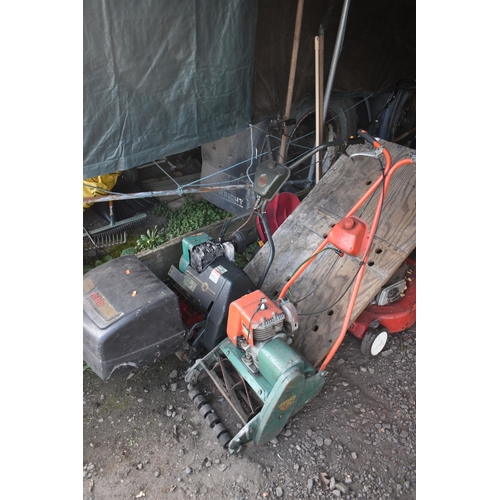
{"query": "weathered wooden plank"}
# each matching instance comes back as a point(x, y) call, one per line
point(322, 292)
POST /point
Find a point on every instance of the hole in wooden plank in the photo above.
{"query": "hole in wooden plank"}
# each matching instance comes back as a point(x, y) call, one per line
point(330, 313)
point(378, 251)
point(368, 182)
point(315, 328)
point(371, 263)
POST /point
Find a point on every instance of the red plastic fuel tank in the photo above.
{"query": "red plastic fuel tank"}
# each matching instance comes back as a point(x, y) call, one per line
point(350, 235)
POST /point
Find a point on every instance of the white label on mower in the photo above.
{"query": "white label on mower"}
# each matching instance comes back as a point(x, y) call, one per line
point(189, 283)
point(217, 273)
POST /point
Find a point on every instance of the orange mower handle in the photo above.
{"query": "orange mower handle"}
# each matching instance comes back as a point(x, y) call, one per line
point(359, 277)
point(385, 177)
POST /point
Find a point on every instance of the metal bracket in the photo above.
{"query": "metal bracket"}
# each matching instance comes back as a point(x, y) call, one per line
point(370, 154)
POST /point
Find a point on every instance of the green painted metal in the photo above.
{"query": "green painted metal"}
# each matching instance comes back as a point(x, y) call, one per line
point(285, 383)
point(187, 245)
point(256, 381)
point(295, 382)
point(276, 356)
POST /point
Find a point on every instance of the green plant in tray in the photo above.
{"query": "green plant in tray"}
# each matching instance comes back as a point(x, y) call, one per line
point(191, 216)
point(153, 238)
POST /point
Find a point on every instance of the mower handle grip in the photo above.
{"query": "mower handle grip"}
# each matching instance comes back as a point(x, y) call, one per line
point(368, 138)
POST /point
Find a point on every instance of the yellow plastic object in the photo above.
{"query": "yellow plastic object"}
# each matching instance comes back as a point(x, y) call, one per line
point(95, 185)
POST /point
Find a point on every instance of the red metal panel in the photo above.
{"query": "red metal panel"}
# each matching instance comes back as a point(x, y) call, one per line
point(396, 317)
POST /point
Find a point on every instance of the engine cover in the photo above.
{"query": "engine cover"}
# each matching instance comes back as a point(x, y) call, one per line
point(213, 290)
point(254, 317)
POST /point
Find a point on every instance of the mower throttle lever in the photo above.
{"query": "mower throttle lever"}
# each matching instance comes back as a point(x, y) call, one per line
point(368, 138)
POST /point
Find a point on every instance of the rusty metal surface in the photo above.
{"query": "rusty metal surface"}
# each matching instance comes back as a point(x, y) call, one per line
point(171, 192)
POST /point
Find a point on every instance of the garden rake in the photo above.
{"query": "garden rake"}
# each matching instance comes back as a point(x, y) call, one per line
point(111, 234)
point(105, 240)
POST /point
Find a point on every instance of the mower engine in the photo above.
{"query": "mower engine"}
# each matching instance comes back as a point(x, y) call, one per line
point(208, 279)
point(254, 320)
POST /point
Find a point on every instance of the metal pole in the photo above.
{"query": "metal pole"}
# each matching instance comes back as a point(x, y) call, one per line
point(171, 192)
point(318, 51)
point(335, 59)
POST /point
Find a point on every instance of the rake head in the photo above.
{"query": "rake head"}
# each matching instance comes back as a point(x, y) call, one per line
point(110, 235)
point(105, 240)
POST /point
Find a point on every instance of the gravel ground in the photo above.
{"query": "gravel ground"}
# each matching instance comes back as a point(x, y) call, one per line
point(143, 437)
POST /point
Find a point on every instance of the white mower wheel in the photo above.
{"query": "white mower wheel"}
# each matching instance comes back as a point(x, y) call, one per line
point(374, 341)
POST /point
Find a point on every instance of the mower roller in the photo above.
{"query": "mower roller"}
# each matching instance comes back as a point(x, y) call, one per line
point(239, 337)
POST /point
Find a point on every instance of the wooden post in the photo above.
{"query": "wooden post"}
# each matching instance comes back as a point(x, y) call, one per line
point(291, 79)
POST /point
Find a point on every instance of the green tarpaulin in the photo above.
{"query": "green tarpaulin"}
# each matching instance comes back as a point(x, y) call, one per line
point(162, 77)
